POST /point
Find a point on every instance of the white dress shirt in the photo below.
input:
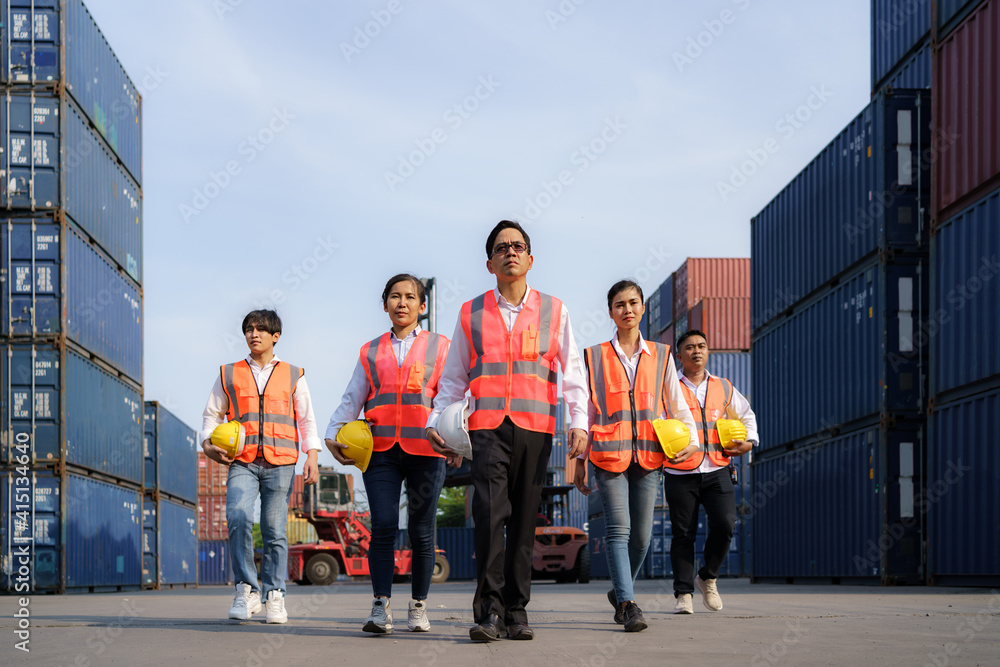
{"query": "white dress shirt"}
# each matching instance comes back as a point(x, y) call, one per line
point(739, 408)
point(672, 391)
point(455, 377)
point(305, 420)
point(353, 400)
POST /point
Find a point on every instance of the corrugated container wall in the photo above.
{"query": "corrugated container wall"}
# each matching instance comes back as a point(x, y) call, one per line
point(214, 568)
point(913, 72)
point(94, 76)
point(460, 552)
point(64, 399)
point(212, 518)
point(666, 304)
point(170, 454)
point(96, 307)
point(300, 531)
point(862, 194)
point(699, 277)
point(735, 366)
point(897, 28)
point(69, 167)
point(93, 527)
point(950, 13)
point(212, 477)
point(724, 320)
point(857, 341)
point(654, 306)
point(965, 299)
point(967, 111)
point(177, 544)
point(963, 472)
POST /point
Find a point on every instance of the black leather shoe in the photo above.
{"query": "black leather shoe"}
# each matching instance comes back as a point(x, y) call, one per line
point(487, 631)
point(619, 618)
point(634, 622)
point(520, 631)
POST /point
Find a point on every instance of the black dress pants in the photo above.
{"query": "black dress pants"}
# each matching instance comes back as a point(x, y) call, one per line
point(508, 472)
point(683, 493)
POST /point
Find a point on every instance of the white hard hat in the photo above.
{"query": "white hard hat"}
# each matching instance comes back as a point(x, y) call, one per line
point(453, 426)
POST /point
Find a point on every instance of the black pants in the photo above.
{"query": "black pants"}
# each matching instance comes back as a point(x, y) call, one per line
point(508, 471)
point(683, 493)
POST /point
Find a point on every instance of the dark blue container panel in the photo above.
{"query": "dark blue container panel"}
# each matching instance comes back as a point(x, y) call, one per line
point(171, 454)
point(56, 160)
point(178, 543)
point(100, 524)
point(103, 418)
point(557, 457)
point(98, 82)
point(458, 547)
point(965, 297)
point(666, 305)
point(734, 366)
point(41, 494)
point(963, 525)
point(150, 543)
point(858, 196)
point(818, 511)
point(913, 72)
point(857, 345)
point(94, 76)
point(23, 46)
point(950, 13)
point(214, 568)
point(898, 27)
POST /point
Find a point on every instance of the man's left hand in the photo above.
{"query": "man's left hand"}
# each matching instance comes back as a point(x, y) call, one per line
point(577, 442)
point(738, 448)
point(311, 469)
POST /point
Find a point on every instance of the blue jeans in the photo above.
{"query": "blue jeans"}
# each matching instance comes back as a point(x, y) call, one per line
point(424, 476)
point(628, 498)
point(274, 485)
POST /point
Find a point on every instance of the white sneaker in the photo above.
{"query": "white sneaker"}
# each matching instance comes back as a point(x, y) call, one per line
point(380, 620)
point(683, 604)
point(416, 620)
point(246, 603)
point(275, 607)
point(709, 593)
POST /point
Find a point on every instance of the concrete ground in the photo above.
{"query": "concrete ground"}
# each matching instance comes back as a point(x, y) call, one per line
point(762, 624)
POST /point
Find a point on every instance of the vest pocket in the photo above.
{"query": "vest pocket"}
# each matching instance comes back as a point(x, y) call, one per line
point(605, 436)
point(415, 381)
point(529, 343)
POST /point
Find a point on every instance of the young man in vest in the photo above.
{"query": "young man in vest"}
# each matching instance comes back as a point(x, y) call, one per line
point(271, 399)
point(704, 479)
point(508, 347)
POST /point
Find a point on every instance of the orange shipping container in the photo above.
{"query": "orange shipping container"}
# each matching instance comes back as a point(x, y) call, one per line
point(212, 477)
point(699, 277)
point(298, 486)
point(725, 321)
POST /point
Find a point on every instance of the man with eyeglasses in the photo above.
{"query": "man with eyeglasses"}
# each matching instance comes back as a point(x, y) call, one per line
point(508, 347)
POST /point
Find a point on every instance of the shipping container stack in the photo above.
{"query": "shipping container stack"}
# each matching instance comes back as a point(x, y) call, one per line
point(299, 530)
point(169, 508)
point(712, 295)
point(963, 473)
point(71, 309)
point(214, 565)
point(840, 287)
point(573, 512)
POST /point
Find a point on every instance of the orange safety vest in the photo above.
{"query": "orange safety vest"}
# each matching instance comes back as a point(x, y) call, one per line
point(400, 397)
point(623, 427)
point(269, 420)
point(513, 373)
point(718, 396)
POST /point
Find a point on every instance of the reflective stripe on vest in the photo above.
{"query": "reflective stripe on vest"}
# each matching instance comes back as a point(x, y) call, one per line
point(616, 434)
point(400, 397)
point(268, 420)
point(718, 396)
point(513, 373)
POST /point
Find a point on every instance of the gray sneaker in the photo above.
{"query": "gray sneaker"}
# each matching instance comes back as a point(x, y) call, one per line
point(380, 620)
point(416, 619)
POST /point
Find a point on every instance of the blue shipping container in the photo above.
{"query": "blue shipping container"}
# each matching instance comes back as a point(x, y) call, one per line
point(963, 475)
point(459, 549)
point(950, 13)
point(94, 76)
point(171, 454)
point(846, 355)
point(654, 306)
point(898, 27)
point(666, 305)
point(53, 160)
point(102, 307)
point(93, 526)
point(150, 530)
point(965, 298)
point(177, 543)
point(862, 194)
point(55, 396)
point(841, 508)
point(913, 72)
point(214, 568)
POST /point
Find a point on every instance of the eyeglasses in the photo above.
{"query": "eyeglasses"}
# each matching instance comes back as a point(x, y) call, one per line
point(502, 248)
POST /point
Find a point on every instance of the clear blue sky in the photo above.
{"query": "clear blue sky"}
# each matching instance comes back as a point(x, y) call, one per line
point(299, 154)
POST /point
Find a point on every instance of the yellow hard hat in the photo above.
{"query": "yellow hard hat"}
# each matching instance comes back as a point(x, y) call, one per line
point(357, 435)
point(729, 430)
point(673, 435)
point(230, 437)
